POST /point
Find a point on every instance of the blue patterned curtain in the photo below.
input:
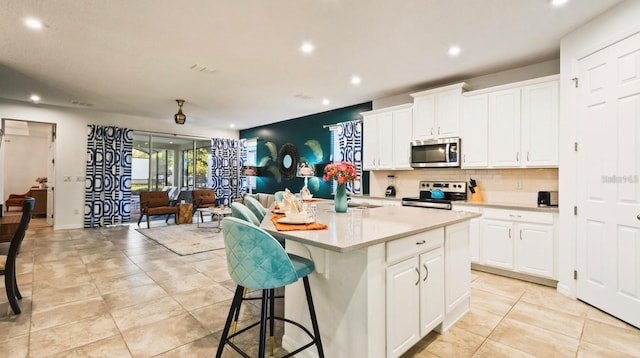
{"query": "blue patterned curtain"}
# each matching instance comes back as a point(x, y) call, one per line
point(347, 139)
point(225, 169)
point(108, 179)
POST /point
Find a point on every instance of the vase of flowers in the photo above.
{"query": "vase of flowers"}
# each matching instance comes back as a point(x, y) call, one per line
point(42, 182)
point(343, 173)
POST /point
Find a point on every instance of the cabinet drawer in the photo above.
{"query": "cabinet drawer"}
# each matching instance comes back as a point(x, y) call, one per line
point(414, 244)
point(518, 216)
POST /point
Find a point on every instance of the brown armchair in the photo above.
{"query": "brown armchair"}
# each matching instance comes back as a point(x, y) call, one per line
point(16, 199)
point(156, 203)
point(204, 198)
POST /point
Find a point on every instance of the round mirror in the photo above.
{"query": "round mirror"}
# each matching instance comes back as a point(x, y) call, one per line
point(287, 161)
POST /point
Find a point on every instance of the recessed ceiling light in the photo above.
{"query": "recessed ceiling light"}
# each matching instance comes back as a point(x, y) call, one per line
point(307, 48)
point(454, 51)
point(232, 125)
point(34, 98)
point(33, 23)
point(356, 80)
point(558, 2)
point(325, 101)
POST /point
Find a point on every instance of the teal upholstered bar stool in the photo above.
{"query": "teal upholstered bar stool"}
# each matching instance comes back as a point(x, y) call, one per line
point(257, 261)
point(256, 208)
point(241, 211)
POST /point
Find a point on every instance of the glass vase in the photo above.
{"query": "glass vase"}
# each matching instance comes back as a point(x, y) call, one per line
point(340, 199)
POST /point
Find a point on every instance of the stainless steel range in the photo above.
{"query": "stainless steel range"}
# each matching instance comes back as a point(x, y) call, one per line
point(438, 194)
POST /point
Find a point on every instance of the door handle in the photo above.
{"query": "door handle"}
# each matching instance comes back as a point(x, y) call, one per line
point(427, 272)
point(418, 272)
point(431, 130)
point(464, 158)
point(527, 156)
point(517, 156)
point(509, 232)
point(438, 129)
point(520, 234)
point(421, 242)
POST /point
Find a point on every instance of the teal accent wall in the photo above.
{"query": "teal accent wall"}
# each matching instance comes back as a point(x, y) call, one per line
point(313, 143)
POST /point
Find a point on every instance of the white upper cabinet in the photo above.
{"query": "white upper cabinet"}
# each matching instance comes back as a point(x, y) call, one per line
point(511, 126)
point(474, 131)
point(540, 124)
point(437, 112)
point(386, 138)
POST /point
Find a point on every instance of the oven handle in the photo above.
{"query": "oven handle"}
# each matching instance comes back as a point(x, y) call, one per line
point(447, 148)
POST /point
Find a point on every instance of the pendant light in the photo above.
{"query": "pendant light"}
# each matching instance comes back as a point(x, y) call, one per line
point(179, 117)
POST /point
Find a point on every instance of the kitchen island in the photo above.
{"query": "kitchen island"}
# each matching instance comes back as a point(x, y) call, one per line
point(385, 277)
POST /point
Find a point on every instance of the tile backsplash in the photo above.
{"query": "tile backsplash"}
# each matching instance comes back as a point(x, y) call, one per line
point(498, 186)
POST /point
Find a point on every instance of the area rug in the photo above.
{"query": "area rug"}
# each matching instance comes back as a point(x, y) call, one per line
point(186, 239)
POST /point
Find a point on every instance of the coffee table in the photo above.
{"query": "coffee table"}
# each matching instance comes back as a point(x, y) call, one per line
point(220, 213)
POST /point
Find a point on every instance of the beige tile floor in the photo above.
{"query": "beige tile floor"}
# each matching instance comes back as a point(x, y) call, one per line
point(113, 293)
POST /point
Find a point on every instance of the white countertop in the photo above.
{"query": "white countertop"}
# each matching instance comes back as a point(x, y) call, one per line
point(360, 228)
point(513, 206)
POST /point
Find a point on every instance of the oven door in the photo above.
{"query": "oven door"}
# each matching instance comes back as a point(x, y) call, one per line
point(435, 153)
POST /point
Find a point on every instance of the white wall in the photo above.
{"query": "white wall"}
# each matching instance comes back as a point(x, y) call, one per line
point(606, 29)
point(71, 146)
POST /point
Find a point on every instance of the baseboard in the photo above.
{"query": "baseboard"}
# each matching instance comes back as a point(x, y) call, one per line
point(516, 275)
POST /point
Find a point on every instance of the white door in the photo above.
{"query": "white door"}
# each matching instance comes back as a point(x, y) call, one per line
point(51, 173)
point(608, 185)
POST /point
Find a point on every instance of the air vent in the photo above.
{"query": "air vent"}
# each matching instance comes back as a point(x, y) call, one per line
point(82, 104)
point(202, 69)
point(302, 96)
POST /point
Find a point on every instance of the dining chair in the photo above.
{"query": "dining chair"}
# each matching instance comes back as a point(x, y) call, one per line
point(241, 211)
point(279, 196)
point(257, 261)
point(256, 208)
point(8, 262)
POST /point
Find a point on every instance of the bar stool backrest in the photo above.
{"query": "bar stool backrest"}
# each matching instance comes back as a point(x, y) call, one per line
point(241, 211)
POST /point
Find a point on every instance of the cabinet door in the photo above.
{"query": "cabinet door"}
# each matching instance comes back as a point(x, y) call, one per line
point(497, 243)
point(369, 143)
point(385, 140)
point(431, 290)
point(540, 125)
point(535, 249)
point(448, 114)
point(403, 305)
point(504, 128)
point(401, 138)
point(474, 240)
point(424, 117)
point(475, 115)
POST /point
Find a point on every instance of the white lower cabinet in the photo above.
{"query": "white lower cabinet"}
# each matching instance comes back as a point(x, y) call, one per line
point(520, 241)
point(415, 298)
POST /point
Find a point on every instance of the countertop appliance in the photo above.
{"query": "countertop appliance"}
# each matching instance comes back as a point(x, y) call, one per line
point(438, 194)
point(391, 189)
point(435, 153)
point(547, 198)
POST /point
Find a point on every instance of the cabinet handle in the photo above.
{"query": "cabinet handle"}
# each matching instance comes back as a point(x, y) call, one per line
point(527, 156)
point(418, 272)
point(438, 130)
point(427, 272)
point(464, 158)
point(421, 242)
point(638, 217)
point(520, 234)
point(517, 156)
point(431, 130)
point(509, 232)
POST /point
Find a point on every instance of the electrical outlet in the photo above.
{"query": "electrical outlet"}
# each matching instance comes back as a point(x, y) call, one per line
point(518, 185)
point(66, 179)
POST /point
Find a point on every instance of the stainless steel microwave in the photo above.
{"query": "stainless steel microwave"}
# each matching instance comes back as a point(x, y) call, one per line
point(435, 153)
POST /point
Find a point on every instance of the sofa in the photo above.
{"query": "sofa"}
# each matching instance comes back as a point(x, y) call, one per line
point(266, 200)
point(16, 200)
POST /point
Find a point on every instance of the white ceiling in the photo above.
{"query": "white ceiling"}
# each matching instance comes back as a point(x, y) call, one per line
point(135, 57)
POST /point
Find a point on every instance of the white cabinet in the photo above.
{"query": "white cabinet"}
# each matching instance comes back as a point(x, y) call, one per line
point(504, 128)
point(386, 138)
point(474, 131)
point(457, 273)
point(475, 237)
point(415, 298)
point(437, 112)
point(511, 126)
point(519, 241)
point(540, 112)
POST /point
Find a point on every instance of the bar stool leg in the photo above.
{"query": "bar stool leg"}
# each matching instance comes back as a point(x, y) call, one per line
point(234, 325)
point(314, 320)
point(272, 314)
point(235, 306)
point(263, 323)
